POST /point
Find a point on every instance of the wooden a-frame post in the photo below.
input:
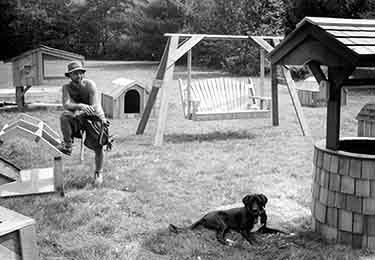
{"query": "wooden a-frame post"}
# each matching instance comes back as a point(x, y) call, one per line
point(172, 53)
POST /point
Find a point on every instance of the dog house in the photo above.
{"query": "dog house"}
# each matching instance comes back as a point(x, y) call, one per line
point(125, 98)
point(38, 67)
point(343, 193)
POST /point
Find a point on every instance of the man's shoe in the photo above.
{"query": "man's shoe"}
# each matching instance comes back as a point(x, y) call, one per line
point(98, 178)
point(65, 149)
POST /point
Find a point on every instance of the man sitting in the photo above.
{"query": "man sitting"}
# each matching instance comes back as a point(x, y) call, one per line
point(83, 112)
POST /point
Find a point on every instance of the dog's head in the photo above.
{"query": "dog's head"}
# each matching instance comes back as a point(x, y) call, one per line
point(255, 204)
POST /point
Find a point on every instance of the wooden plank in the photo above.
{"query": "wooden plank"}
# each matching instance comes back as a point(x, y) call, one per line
point(262, 43)
point(207, 98)
point(333, 113)
point(29, 249)
point(11, 221)
point(243, 96)
point(262, 65)
point(226, 97)
point(33, 181)
point(184, 48)
point(231, 115)
point(156, 84)
point(189, 67)
point(275, 98)
point(184, 99)
point(208, 36)
point(221, 96)
point(212, 89)
point(168, 75)
point(296, 103)
point(324, 21)
point(58, 175)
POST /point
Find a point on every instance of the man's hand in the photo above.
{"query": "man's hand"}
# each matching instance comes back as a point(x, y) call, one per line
point(88, 110)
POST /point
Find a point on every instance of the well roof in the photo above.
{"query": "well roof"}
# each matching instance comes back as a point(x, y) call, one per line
point(346, 42)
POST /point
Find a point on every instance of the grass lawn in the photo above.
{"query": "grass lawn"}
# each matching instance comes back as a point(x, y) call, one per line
point(202, 165)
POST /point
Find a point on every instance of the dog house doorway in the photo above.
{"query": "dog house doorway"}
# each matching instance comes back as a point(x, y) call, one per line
point(132, 102)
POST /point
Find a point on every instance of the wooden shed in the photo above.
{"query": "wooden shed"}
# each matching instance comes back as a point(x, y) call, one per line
point(37, 67)
point(124, 98)
point(343, 208)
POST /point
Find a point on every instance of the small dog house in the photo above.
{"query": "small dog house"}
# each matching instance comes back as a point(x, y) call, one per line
point(125, 98)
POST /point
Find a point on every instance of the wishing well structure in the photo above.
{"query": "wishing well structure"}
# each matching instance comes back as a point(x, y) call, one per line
point(343, 203)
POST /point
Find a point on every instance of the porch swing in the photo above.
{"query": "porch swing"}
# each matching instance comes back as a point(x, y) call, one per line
point(221, 98)
point(207, 99)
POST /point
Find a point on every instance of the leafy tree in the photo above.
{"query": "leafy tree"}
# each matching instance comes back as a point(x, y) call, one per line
point(240, 17)
point(296, 10)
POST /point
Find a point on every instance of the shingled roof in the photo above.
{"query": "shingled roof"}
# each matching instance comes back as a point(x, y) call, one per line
point(347, 41)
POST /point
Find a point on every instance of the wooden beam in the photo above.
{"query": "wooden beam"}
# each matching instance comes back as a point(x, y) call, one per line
point(58, 173)
point(221, 36)
point(262, 65)
point(336, 76)
point(184, 48)
point(262, 43)
point(296, 103)
point(209, 36)
point(29, 248)
point(275, 98)
point(154, 90)
point(189, 59)
point(315, 69)
point(359, 82)
point(168, 75)
point(333, 113)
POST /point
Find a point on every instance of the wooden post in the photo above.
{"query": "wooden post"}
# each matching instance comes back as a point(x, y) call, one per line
point(189, 58)
point(154, 91)
point(274, 94)
point(296, 103)
point(20, 98)
point(262, 65)
point(165, 93)
point(333, 111)
point(58, 174)
point(29, 248)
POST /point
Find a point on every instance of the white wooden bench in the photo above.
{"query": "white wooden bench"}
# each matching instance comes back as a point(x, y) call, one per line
point(222, 98)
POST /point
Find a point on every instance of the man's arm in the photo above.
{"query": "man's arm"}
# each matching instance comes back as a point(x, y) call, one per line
point(67, 102)
point(96, 107)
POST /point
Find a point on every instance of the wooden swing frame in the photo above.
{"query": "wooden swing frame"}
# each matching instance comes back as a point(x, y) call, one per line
point(175, 50)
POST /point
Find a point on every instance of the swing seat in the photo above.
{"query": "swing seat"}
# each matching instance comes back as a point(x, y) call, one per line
point(222, 99)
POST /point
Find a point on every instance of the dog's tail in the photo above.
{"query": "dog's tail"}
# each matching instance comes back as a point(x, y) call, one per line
point(175, 229)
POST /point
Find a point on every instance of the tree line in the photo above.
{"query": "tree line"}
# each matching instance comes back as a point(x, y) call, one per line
point(133, 29)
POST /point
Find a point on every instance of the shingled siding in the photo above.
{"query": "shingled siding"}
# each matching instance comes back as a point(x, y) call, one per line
point(343, 207)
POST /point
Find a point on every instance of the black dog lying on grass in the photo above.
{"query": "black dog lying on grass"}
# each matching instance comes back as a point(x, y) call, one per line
point(241, 220)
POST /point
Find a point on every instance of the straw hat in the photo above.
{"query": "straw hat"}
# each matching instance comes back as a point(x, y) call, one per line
point(73, 66)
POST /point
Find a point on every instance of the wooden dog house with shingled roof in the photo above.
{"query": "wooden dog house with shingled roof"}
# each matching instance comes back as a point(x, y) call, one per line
point(343, 208)
point(125, 98)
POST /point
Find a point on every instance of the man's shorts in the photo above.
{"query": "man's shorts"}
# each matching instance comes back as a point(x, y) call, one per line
point(92, 129)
